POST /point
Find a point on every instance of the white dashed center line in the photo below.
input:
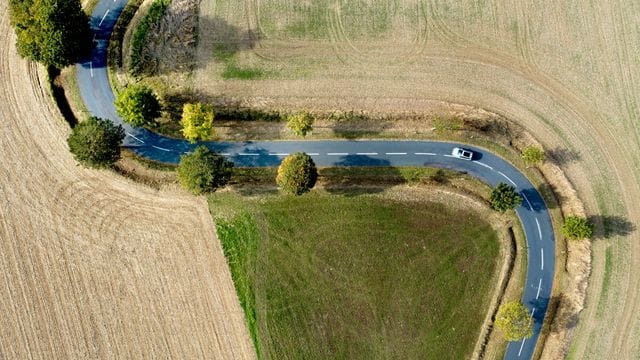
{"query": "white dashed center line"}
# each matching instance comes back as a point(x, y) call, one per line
point(539, 231)
point(539, 287)
point(313, 154)
point(104, 16)
point(337, 154)
point(278, 154)
point(367, 154)
point(160, 148)
point(396, 153)
point(527, 200)
point(135, 137)
point(541, 258)
point(483, 164)
point(248, 154)
point(521, 346)
point(431, 154)
point(225, 154)
point(506, 177)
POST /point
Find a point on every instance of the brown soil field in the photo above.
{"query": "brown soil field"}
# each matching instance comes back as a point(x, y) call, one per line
point(94, 265)
point(566, 71)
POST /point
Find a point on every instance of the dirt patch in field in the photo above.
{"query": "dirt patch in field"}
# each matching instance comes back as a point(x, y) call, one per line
point(95, 265)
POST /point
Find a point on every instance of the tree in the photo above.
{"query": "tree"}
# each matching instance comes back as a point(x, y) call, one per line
point(197, 121)
point(138, 105)
point(514, 320)
point(203, 171)
point(532, 155)
point(504, 197)
point(300, 123)
point(96, 142)
point(297, 174)
point(52, 32)
point(576, 227)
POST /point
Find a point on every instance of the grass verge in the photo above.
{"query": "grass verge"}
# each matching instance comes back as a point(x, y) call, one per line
point(324, 276)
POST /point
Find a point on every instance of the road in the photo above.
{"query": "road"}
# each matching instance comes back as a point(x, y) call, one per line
point(98, 96)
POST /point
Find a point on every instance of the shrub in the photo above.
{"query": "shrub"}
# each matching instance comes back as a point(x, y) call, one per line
point(138, 40)
point(576, 227)
point(442, 124)
point(54, 33)
point(197, 121)
point(504, 197)
point(300, 123)
point(297, 174)
point(138, 105)
point(114, 51)
point(533, 155)
point(514, 320)
point(96, 142)
point(203, 171)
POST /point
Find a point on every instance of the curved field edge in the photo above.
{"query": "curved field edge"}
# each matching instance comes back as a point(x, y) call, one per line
point(333, 273)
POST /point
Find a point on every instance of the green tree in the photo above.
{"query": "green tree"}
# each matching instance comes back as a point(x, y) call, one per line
point(203, 171)
point(197, 121)
point(504, 197)
point(297, 174)
point(514, 320)
point(96, 142)
point(300, 123)
point(576, 228)
point(138, 105)
point(52, 32)
point(533, 155)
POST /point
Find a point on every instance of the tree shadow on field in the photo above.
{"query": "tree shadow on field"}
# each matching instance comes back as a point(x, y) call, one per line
point(225, 41)
point(608, 226)
point(357, 175)
point(562, 156)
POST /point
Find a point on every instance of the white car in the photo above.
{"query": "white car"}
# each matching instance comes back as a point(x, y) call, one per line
point(461, 153)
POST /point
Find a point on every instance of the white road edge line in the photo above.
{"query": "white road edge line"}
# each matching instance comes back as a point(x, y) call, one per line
point(371, 153)
point(541, 258)
point(528, 202)
point(482, 164)
point(506, 177)
point(539, 231)
point(337, 154)
point(135, 137)
point(396, 153)
point(103, 16)
point(279, 154)
point(521, 346)
point(431, 154)
point(248, 154)
point(160, 148)
point(539, 287)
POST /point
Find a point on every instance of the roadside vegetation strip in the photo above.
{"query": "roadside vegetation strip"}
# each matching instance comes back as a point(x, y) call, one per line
point(157, 9)
point(325, 276)
point(114, 52)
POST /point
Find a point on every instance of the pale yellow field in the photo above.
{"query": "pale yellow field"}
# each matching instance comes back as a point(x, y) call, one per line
point(568, 71)
point(92, 265)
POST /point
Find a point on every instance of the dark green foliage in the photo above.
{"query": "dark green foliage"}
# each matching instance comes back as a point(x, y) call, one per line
point(138, 40)
point(297, 174)
point(504, 197)
point(203, 171)
point(576, 228)
point(52, 32)
point(114, 53)
point(138, 105)
point(96, 142)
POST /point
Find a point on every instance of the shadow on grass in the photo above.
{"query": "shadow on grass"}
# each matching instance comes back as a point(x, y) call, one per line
point(562, 156)
point(608, 226)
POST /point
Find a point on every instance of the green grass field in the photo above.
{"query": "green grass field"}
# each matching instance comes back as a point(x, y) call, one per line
point(335, 277)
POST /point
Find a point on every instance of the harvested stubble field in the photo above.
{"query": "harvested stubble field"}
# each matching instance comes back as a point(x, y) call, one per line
point(93, 265)
point(567, 71)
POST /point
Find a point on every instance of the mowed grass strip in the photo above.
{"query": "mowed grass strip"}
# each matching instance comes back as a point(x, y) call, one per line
point(364, 277)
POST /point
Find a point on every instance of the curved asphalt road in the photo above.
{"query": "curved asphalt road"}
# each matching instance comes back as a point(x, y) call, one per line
point(98, 97)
